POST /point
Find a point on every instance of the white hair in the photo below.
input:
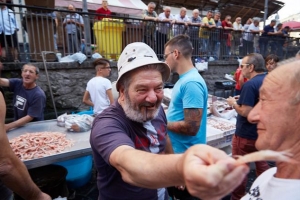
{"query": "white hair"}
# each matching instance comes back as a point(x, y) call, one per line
point(167, 8)
point(256, 19)
point(196, 10)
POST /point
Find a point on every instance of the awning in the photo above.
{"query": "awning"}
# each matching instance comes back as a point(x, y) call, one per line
point(292, 24)
point(131, 7)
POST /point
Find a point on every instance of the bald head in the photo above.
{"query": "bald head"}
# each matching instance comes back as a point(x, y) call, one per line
point(71, 7)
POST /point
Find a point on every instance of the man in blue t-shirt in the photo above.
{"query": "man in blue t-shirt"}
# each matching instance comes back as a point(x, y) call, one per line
point(187, 110)
point(29, 100)
point(243, 142)
point(129, 140)
point(266, 36)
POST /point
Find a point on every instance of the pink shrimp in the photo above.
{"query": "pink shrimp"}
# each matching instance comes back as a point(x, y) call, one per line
point(267, 155)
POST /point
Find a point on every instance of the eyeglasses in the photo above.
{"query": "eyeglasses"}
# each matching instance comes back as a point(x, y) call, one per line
point(166, 55)
point(247, 64)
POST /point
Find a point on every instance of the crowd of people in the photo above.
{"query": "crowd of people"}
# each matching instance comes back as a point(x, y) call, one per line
point(215, 36)
point(144, 153)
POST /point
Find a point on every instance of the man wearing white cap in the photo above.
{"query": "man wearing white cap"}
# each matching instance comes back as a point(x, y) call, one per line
point(129, 139)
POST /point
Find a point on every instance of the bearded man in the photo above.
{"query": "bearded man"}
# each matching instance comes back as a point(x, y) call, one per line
point(129, 139)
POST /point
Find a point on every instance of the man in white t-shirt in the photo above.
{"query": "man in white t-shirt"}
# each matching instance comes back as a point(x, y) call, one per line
point(248, 38)
point(98, 91)
point(181, 22)
point(277, 117)
point(164, 27)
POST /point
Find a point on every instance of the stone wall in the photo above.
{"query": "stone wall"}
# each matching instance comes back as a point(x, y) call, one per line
point(217, 70)
point(68, 82)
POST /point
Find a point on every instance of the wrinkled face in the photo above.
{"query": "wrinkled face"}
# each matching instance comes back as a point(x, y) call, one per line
point(144, 96)
point(246, 67)
point(29, 74)
point(277, 119)
point(195, 14)
point(182, 13)
point(151, 8)
point(167, 12)
point(217, 17)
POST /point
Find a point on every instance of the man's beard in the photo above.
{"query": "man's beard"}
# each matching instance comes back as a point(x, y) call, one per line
point(139, 112)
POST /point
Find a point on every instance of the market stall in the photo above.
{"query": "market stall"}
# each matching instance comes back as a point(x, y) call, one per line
point(81, 144)
point(219, 134)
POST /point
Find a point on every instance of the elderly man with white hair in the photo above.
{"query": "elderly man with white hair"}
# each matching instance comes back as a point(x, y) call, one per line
point(150, 17)
point(194, 31)
point(181, 22)
point(164, 28)
point(248, 38)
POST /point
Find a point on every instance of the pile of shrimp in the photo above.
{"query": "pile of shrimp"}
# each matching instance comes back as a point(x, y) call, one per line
point(40, 144)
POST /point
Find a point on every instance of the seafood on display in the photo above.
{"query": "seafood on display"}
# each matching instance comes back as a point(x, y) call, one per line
point(40, 144)
point(219, 124)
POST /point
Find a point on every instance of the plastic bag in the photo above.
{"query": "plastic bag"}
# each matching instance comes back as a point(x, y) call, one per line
point(75, 122)
point(201, 66)
point(67, 59)
point(79, 123)
point(96, 56)
point(61, 120)
point(79, 57)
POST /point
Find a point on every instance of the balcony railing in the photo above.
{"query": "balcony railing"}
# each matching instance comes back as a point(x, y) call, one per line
point(29, 33)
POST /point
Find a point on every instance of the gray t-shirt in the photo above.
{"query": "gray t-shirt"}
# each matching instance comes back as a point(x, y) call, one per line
point(72, 28)
point(112, 129)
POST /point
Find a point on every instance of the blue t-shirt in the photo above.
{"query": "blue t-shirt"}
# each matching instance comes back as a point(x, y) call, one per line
point(267, 29)
point(111, 129)
point(27, 101)
point(249, 97)
point(190, 91)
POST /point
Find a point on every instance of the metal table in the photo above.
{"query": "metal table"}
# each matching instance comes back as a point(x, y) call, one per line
point(80, 148)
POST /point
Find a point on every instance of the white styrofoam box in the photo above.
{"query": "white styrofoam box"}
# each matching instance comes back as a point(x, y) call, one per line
point(222, 142)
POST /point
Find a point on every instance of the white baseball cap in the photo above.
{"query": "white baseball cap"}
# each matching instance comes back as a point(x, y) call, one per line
point(136, 55)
